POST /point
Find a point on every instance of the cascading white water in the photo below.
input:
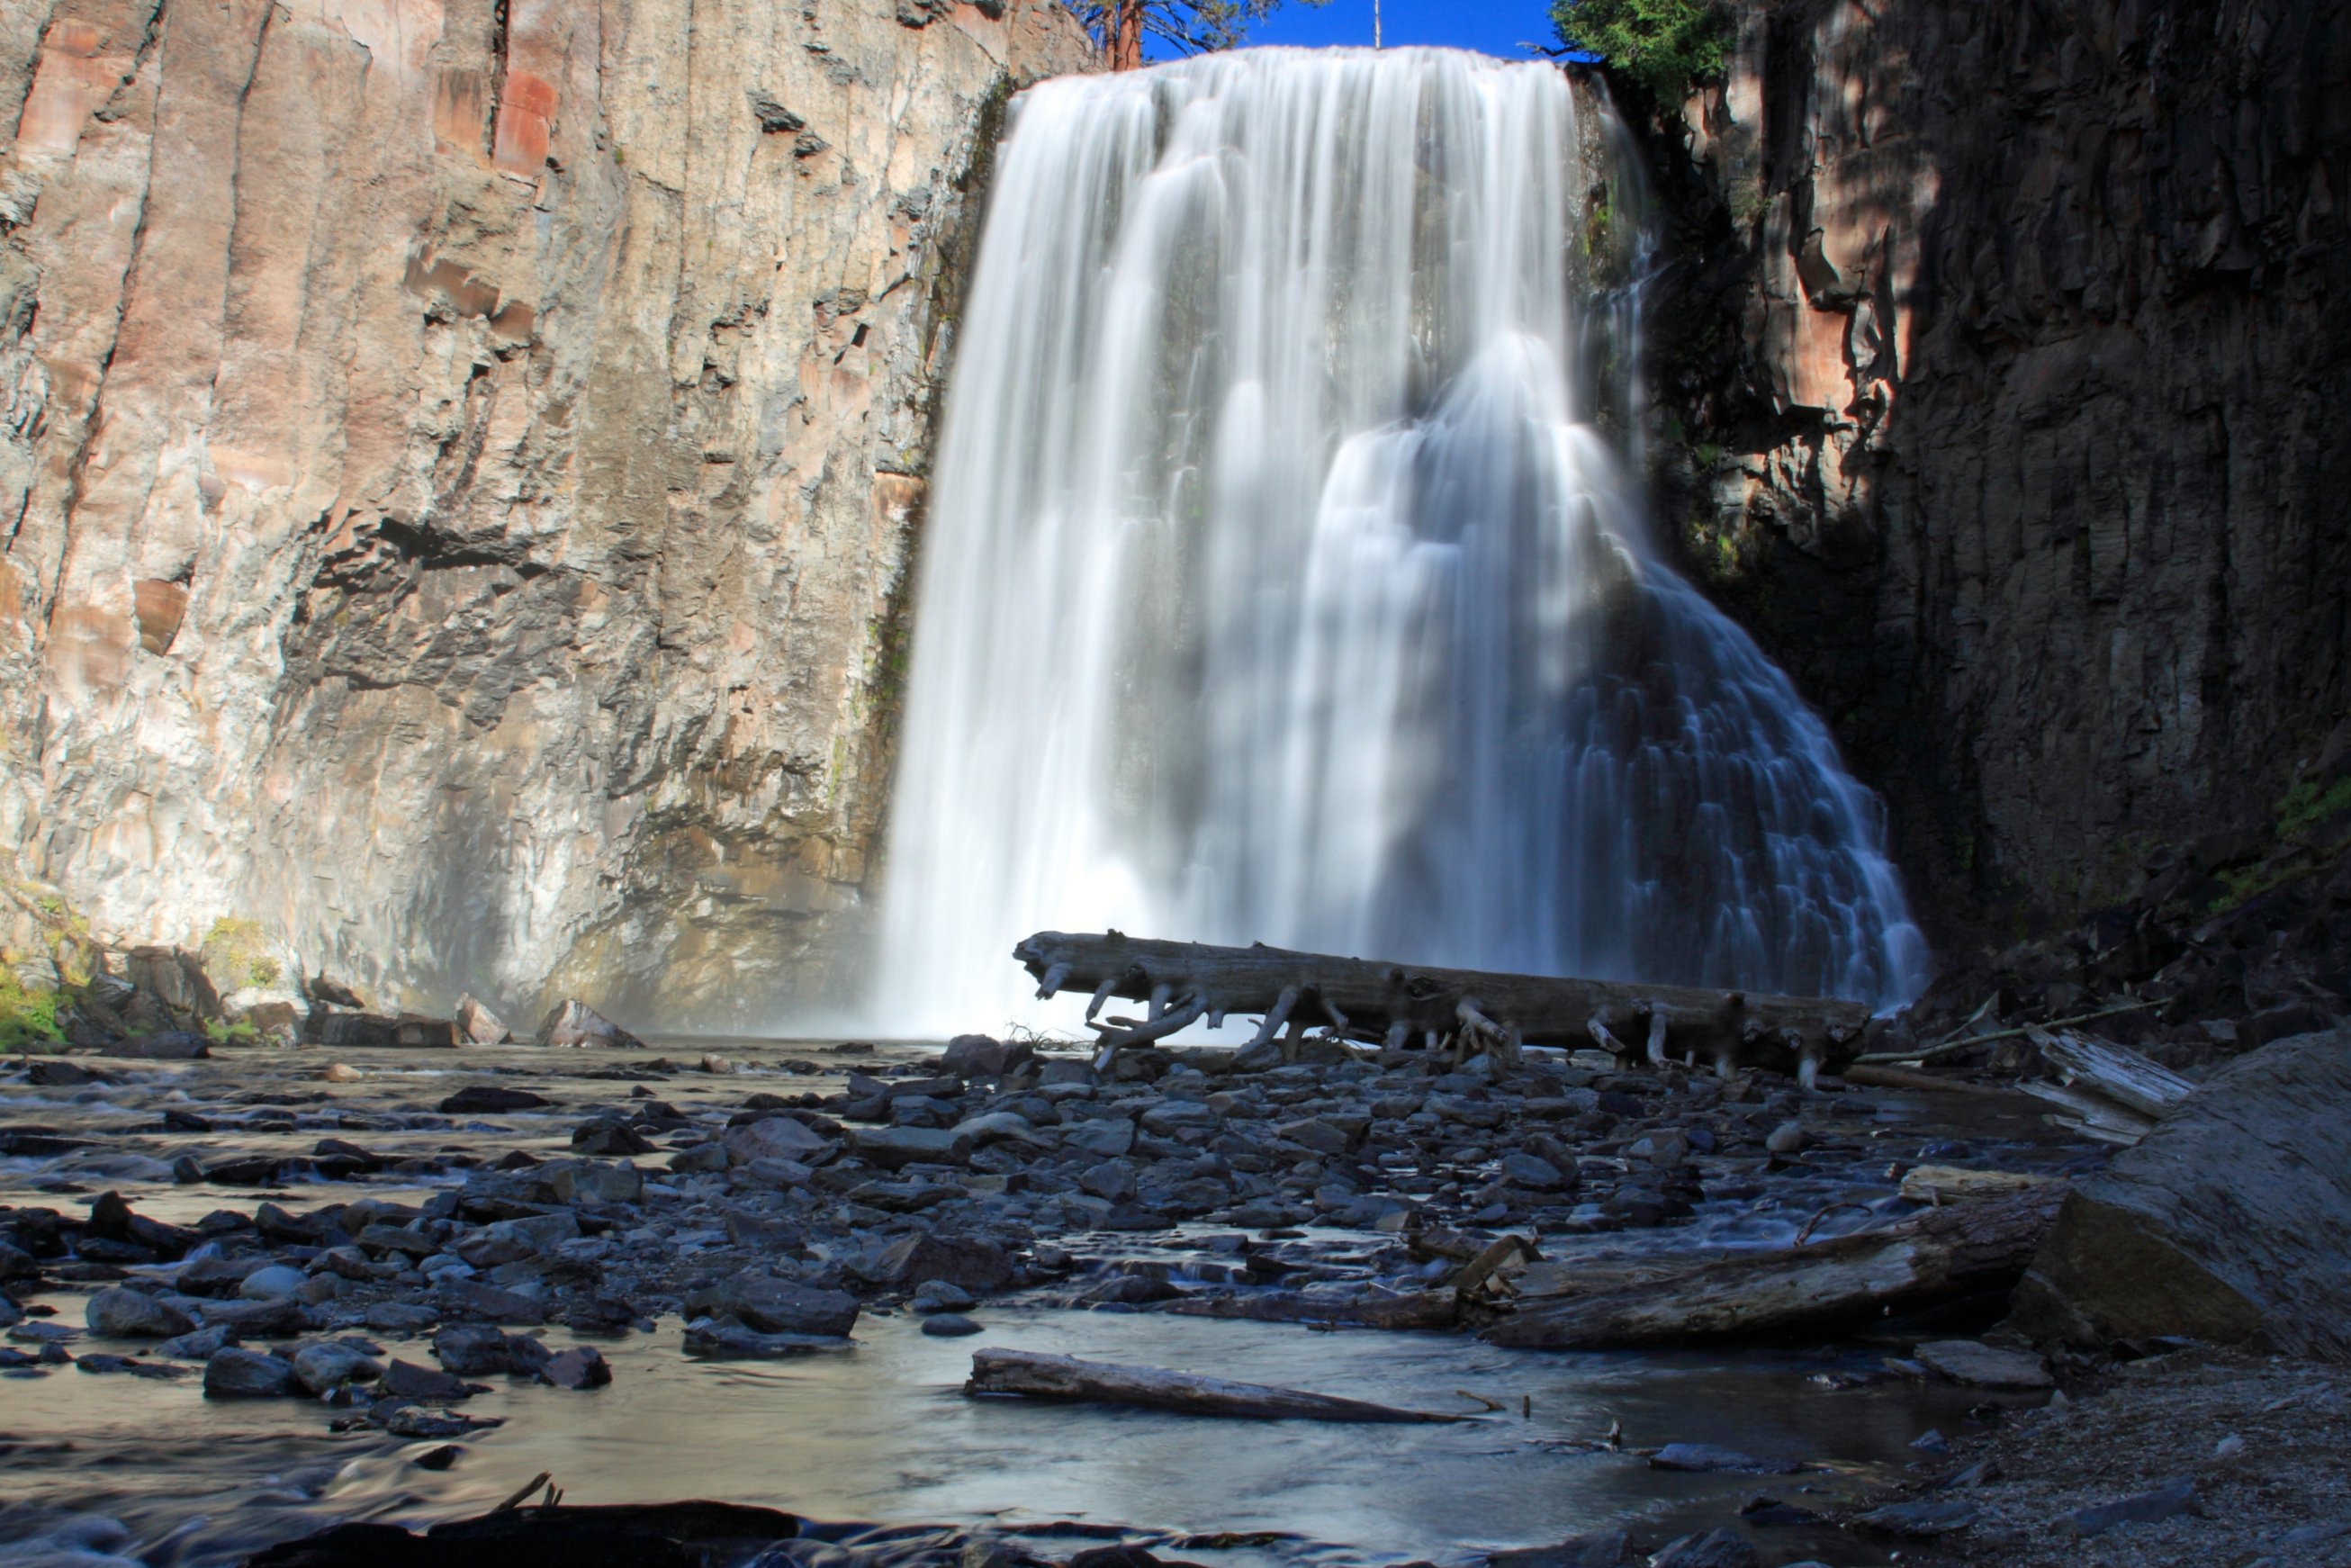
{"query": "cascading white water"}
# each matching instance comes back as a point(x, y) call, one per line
point(1280, 585)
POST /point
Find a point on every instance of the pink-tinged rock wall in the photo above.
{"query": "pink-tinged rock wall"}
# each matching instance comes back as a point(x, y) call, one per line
point(459, 467)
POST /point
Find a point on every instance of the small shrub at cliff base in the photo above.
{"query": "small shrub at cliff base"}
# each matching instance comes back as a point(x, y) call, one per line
point(28, 1020)
point(236, 954)
point(1662, 45)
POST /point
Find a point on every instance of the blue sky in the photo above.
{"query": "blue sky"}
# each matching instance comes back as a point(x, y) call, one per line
point(1497, 27)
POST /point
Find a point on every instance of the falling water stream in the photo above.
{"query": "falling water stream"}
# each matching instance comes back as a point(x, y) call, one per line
point(1285, 579)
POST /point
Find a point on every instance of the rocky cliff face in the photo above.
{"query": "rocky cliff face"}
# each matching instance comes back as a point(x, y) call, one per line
point(460, 466)
point(2002, 349)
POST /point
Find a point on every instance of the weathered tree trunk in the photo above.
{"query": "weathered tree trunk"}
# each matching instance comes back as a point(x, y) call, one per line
point(1064, 1377)
point(2114, 1072)
point(1397, 1003)
point(1126, 36)
point(1940, 1254)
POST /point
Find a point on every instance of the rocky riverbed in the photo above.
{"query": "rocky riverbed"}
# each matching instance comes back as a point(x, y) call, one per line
point(258, 1292)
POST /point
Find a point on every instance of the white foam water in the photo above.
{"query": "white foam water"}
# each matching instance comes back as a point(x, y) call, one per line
point(1281, 582)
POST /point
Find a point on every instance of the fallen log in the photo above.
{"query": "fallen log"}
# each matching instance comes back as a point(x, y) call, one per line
point(2112, 1073)
point(1940, 1254)
point(1038, 1377)
point(1952, 1184)
point(1394, 1004)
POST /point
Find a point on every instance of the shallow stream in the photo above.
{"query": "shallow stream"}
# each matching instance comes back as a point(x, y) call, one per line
point(127, 1467)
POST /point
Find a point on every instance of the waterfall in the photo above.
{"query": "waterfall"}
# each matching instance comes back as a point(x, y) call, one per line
point(1283, 580)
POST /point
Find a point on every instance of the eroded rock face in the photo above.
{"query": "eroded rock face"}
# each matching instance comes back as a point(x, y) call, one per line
point(2002, 345)
point(460, 468)
point(2228, 1222)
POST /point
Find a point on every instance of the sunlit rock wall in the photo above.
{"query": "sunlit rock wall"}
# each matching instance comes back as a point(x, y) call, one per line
point(2002, 354)
point(459, 467)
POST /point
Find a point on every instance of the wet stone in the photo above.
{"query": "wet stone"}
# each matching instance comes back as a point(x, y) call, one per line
point(274, 1283)
point(490, 1100)
point(1985, 1366)
point(579, 1367)
point(472, 1350)
point(330, 1365)
point(776, 1306)
point(949, 1325)
point(1708, 1457)
point(406, 1380)
point(1713, 1549)
point(236, 1374)
point(122, 1314)
point(977, 1267)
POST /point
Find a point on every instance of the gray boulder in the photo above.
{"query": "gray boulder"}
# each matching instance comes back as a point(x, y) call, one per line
point(472, 1350)
point(775, 1138)
point(892, 1148)
point(120, 1313)
point(575, 1023)
point(2228, 1222)
point(328, 1364)
point(235, 1373)
point(776, 1306)
point(973, 1265)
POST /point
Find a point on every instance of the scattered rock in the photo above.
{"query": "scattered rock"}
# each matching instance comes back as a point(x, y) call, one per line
point(479, 1025)
point(949, 1325)
point(2228, 1222)
point(580, 1367)
point(972, 1266)
point(235, 1374)
point(327, 1364)
point(1788, 1138)
point(1985, 1366)
point(170, 1045)
point(893, 1149)
point(777, 1137)
point(1714, 1549)
point(406, 1380)
point(121, 1314)
point(1708, 1457)
point(472, 1298)
point(2167, 1502)
point(776, 1306)
point(575, 1023)
point(490, 1100)
point(1605, 1549)
point(274, 1283)
point(593, 1182)
point(471, 1350)
point(941, 1296)
point(1924, 1519)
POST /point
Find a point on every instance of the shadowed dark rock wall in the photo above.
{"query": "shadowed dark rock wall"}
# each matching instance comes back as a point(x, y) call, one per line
point(2001, 358)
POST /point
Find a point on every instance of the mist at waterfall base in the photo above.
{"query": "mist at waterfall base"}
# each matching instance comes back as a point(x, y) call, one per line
point(1285, 580)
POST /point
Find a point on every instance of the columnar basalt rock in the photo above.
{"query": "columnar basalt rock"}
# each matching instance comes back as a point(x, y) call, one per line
point(1999, 354)
point(461, 464)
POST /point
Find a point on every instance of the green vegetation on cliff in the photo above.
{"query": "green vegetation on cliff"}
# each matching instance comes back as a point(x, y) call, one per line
point(1664, 45)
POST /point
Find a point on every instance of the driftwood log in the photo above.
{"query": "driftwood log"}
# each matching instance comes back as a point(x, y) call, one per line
point(1040, 1376)
point(1943, 1254)
point(1399, 1004)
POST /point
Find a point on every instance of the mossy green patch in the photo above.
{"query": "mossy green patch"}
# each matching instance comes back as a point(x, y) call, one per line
point(28, 1019)
point(236, 954)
